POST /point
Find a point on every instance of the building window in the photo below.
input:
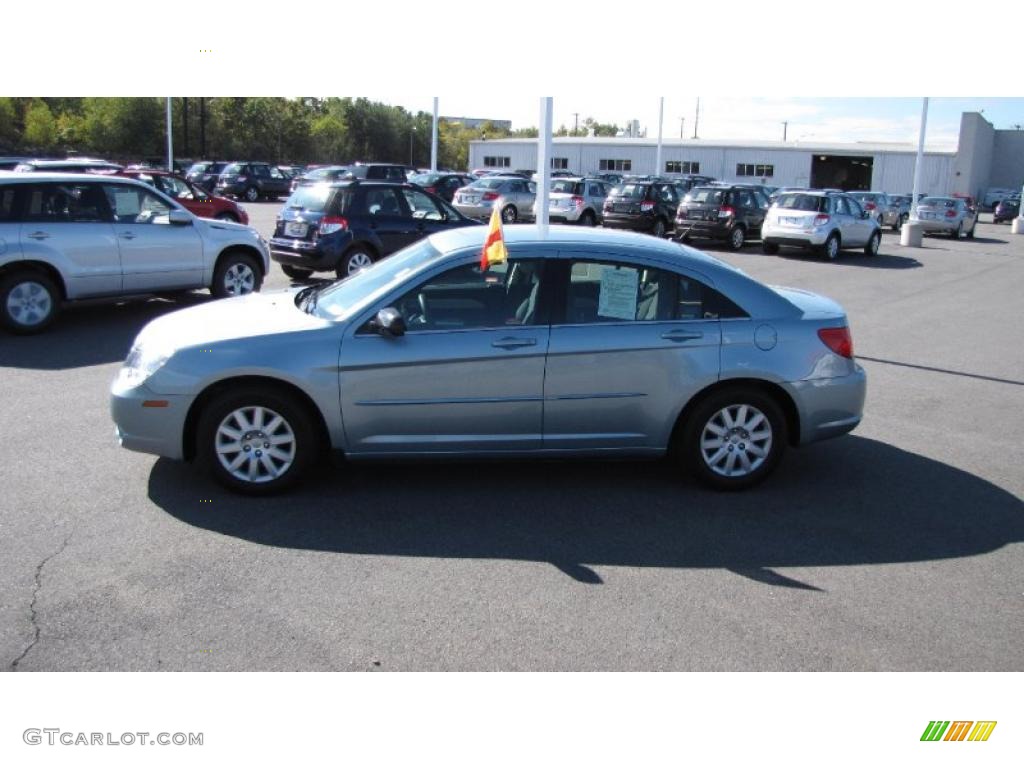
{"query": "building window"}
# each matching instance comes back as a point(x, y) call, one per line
point(497, 162)
point(681, 166)
point(559, 163)
point(750, 169)
point(616, 165)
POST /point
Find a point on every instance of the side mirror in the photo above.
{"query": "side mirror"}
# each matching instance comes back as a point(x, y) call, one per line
point(389, 323)
point(179, 217)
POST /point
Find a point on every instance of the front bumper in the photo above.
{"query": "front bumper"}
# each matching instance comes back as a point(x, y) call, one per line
point(829, 407)
point(139, 426)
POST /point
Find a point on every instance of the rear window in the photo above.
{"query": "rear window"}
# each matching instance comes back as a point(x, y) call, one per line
point(325, 173)
point(311, 198)
point(798, 202)
point(568, 187)
point(866, 198)
point(706, 196)
point(939, 202)
point(637, 191)
point(488, 183)
point(233, 168)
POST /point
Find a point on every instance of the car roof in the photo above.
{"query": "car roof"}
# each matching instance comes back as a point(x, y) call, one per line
point(40, 176)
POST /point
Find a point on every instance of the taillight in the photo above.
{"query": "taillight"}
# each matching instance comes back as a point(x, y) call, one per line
point(607, 205)
point(331, 224)
point(490, 196)
point(431, 190)
point(725, 212)
point(838, 340)
point(821, 219)
point(577, 201)
point(647, 205)
point(950, 214)
point(869, 206)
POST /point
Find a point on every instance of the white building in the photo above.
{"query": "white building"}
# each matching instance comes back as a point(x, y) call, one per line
point(985, 157)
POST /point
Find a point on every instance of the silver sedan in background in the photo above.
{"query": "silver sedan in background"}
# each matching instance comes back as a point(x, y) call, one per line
point(882, 209)
point(586, 342)
point(514, 194)
point(949, 215)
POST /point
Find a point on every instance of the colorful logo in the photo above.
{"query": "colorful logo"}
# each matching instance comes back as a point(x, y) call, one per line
point(958, 730)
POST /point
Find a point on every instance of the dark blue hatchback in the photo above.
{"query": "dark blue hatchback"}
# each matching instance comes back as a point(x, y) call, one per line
point(345, 226)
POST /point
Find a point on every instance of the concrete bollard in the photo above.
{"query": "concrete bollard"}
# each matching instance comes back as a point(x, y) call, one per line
point(912, 234)
point(1017, 227)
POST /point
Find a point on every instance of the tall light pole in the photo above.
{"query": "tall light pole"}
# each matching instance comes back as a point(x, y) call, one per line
point(412, 132)
point(170, 144)
point(433, 141)
point(544, 163)
point(912, 234)
point(696, 118)
point(682, 122)
point(785, 129)
point(657, 156)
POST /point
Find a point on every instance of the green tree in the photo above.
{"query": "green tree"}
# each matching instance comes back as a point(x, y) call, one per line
point(10, 133)
point(40, 126)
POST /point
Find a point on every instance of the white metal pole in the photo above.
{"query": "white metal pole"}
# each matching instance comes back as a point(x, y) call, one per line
point(170, 146)
point(657, 156)
point(433, 140)
point(544, 163)
point(1017, 228)
point(920, 159)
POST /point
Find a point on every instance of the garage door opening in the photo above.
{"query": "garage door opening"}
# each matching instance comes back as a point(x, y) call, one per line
point(841, 172)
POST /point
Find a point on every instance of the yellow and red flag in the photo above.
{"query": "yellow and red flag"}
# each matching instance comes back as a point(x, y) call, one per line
point(494, 246)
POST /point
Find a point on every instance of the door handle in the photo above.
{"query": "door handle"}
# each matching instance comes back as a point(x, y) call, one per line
point(38, 235)
point(510, 342)
point(682, 335)
point(128, 235)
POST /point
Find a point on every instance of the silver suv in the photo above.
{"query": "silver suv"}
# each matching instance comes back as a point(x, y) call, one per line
point(74, 236)
point(575, 200)
point(881, 207)
point(826, 222)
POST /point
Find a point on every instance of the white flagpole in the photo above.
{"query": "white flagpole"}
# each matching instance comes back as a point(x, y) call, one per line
point(170, 146)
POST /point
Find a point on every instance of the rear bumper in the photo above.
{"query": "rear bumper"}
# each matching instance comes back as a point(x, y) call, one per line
point(937, 225)
point(320, 256)
point(829, 407)
point(636, 222)
point(801, 238)
point(712, 230)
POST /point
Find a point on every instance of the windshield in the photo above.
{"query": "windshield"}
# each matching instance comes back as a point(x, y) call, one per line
point(706, 196)
point(345, 297)
point(233, 168)
point(798, 202)
point(311, 198)
point(630, 190)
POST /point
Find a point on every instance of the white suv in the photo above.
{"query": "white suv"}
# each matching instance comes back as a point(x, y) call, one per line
point(822, 221)
point(75, 236)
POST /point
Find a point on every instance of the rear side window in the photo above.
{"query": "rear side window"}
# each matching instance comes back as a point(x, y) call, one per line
point(65, 203)
point(7, 204)
point(603, 292)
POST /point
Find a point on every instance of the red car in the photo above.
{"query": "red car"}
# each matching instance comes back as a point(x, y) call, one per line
point(194, 198)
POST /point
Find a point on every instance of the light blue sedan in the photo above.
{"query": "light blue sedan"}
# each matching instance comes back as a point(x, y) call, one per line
point(584, 343)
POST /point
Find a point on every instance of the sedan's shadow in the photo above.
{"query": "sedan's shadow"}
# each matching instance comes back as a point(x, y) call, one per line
point(851, 501)
point(90, 333)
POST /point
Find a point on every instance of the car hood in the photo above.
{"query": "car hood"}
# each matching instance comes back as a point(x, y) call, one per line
point(257, 314)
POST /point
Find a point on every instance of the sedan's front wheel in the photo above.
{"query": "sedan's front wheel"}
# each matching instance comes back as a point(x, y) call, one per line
point(734, 438)
point(255, 441)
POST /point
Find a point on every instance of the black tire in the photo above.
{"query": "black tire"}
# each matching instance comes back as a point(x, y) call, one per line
point(357, 257)
point(737, 238)
point(874, 242)
point(226, 216)
point(703, 418)
point(588, 219)
point(685, 239)
point(831, 247)
point(955, 234)
point(252, 194)
point(769, 248)
point(237, 274)
point(509, 214)
point(659, 228)
point(29, 302)
point(970, 232)
point(303, 448)
point(903, 219)
point(296, 273)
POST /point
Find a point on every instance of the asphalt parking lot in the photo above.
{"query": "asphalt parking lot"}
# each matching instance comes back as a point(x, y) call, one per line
point(898, 547)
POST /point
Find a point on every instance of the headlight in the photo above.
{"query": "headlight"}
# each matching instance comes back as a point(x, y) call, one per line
point(141, 363)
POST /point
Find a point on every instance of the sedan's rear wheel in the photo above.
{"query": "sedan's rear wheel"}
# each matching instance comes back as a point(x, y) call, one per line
point(955, 233)
point(873, 243)
point(252, 194)
point(509, 214)
point(734, 438)
point(255, 441)
point(29, 302)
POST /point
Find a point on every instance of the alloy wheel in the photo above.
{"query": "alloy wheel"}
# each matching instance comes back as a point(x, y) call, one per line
point(255, 444)
point(239, 279)
point(736, 440)
point(29, 303)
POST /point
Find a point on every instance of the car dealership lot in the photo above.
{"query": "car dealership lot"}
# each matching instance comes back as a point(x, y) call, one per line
point(897, 547)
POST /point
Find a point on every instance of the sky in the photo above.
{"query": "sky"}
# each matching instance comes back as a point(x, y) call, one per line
point(749, 118)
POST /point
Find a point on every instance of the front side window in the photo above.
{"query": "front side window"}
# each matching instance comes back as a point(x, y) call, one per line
point(422, 206)
point(65, 203)
point(136, 205)
point(606, 292)
point(467, 297)
point(382, 202)
point(173, 187)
